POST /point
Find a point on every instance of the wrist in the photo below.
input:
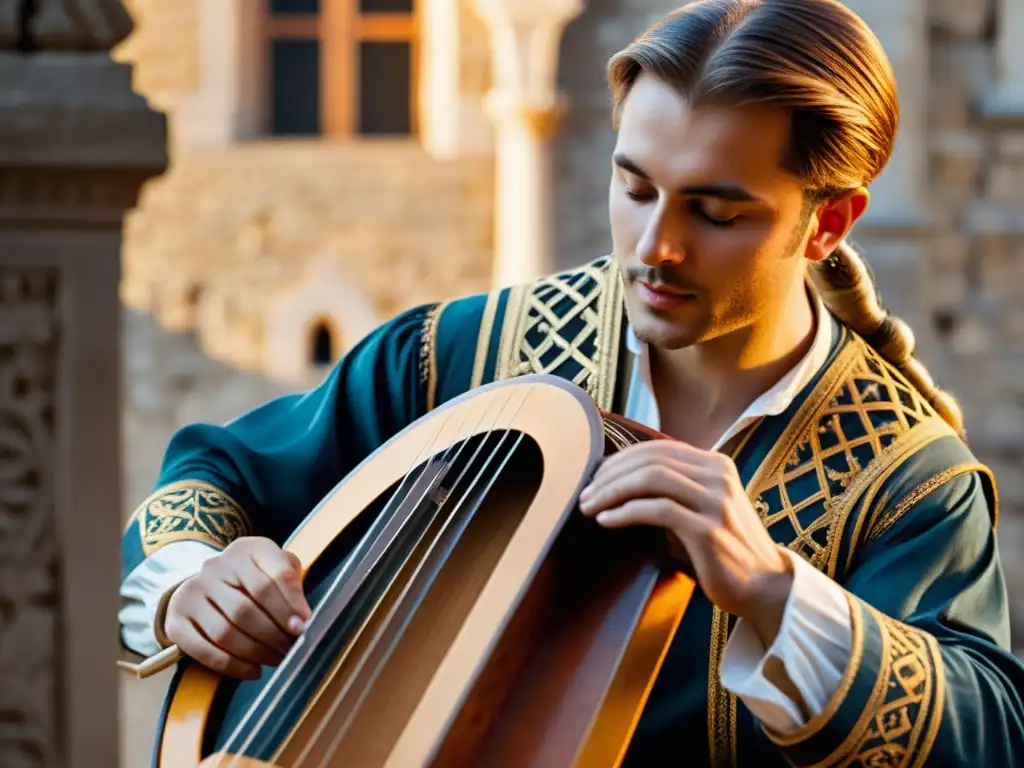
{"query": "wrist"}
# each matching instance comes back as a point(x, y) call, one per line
point(769, 603)
point(161, 614)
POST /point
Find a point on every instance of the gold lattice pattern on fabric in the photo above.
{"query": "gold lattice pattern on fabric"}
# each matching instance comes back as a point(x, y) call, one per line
point(569, 326)
point(864, 421)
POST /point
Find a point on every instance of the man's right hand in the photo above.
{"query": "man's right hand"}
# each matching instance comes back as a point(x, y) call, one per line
point(243, 609)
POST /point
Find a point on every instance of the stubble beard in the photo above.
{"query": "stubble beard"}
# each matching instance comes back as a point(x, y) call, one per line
point(742, 309)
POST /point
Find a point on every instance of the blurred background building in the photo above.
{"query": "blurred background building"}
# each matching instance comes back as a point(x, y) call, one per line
point(334, 162)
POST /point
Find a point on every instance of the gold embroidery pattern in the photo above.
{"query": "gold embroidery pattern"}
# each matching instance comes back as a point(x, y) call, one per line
point(861, 422)
point(721, 703)
point(884, 518)
point(902, 717)
point(902, 730)
point(821, 468)
point(483, 341)
point(189, 510)
point(567, 325)
point(428, 353)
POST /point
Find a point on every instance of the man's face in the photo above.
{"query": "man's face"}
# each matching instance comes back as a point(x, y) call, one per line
point(708, 228)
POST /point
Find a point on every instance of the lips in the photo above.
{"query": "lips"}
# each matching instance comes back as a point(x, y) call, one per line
point(666, 289)
point(663, 296)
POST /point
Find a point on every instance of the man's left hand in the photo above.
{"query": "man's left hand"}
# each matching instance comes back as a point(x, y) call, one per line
point(698, 497)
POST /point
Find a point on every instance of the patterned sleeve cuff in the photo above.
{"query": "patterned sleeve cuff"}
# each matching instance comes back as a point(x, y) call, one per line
point(888, 705)
point(195, 516)
point(188, 510)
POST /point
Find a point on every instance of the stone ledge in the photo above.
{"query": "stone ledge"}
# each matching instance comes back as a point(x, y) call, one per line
point(73, 110)
point(51, 197)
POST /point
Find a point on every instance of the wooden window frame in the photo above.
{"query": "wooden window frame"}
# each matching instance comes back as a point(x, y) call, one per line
point(340, 28)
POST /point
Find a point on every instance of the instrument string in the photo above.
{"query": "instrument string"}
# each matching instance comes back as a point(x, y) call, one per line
point(462, 444)
point(403, 600)
point(290, 666)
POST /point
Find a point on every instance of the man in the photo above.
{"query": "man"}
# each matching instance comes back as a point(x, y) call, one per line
point(852, 608)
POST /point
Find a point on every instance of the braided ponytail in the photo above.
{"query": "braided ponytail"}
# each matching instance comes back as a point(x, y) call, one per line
point(848, 289)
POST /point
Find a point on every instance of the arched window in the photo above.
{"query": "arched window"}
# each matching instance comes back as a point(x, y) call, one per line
point(322, 344)
point(342, 68)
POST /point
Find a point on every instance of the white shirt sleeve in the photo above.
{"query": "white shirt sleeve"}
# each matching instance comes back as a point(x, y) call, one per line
point(142, 590)
point(813, 648)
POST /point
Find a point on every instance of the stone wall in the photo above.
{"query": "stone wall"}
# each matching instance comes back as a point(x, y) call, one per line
point(167, 382)
point(233, 242)
point(225, 236)
point(977, 166)
point(967, 298)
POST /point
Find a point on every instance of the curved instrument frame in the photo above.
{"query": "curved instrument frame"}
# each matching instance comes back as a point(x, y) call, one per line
point(568, 430)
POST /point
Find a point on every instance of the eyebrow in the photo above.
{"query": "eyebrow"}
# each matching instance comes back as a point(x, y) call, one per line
point(731, 192)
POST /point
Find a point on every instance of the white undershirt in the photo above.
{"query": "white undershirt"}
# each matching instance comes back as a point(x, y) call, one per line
point(813, 644)
point(814, 639)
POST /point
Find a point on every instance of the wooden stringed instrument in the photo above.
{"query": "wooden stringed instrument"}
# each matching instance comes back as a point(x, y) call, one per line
point(465, 612)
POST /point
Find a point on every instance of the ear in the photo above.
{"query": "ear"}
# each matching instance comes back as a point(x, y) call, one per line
point(834, 220)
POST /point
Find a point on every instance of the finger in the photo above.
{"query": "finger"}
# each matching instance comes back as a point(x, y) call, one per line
point(659, 512)
point(663, 479)
point(242, 611)
point(227, 637)
point(294, 560)
point(284, 570)
point(706, 472)
point(267, 595)
point(191, 642)
point(654, 450)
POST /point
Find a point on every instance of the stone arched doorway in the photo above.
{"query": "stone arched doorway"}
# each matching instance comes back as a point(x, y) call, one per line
point(309, 328)
point(324, 342)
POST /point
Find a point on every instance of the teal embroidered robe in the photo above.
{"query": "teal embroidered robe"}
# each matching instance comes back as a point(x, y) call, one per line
point(859, 476)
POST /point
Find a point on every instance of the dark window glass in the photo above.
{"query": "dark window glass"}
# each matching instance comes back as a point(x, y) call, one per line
point(385, 6)
point(385, 88)
point(322, 346)
point(283, 7)
point(295, 84)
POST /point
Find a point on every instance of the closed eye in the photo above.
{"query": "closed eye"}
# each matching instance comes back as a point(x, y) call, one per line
point(696, 207)
point(699, 211)
point(640, 197)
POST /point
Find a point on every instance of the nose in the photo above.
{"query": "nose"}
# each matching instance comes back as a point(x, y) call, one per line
point(662, 240)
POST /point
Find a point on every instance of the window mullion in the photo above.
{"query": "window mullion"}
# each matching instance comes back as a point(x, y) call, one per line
point(337, 41)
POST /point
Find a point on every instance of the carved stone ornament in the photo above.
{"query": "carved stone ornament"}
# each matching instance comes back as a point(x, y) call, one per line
point(28, 590)
point(69, 25)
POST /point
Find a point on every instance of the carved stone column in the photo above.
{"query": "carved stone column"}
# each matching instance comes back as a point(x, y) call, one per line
point(526, 107)
point(75, 145)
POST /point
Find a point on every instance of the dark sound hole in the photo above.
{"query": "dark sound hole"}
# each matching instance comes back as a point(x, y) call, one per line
point(469, 474)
